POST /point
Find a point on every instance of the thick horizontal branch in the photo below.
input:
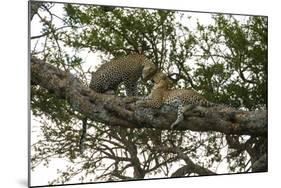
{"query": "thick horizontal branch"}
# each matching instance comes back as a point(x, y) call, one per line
point(122, 111)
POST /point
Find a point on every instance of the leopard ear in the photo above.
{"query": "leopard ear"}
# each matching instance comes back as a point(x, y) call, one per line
point(145, 72)
point(140, 50)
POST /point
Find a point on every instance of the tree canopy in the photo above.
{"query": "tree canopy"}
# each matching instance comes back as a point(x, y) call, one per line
point(222, 56)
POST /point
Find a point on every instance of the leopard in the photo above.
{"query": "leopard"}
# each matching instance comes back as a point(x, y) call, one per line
point(182, 99)
point(125, 69)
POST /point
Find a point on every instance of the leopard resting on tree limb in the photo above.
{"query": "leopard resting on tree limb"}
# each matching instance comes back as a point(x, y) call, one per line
point(182, 99)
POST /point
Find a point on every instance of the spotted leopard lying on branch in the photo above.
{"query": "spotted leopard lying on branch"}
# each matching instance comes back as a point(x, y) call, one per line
point(182, 99)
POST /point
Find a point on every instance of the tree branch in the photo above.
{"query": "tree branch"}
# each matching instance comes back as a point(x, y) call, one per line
point(117, 111)
point(190, 166)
